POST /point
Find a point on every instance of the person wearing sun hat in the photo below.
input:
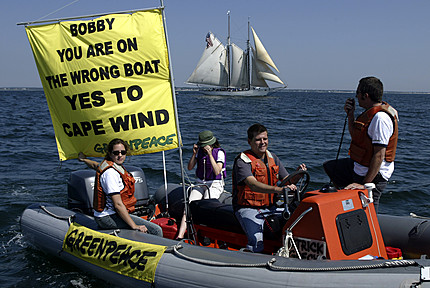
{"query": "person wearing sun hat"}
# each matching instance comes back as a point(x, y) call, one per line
point(206, 138)
point(210, 171)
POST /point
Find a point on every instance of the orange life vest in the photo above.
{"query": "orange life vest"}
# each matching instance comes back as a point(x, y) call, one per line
point(361, 149)
point(127, 193)
point(265, 174)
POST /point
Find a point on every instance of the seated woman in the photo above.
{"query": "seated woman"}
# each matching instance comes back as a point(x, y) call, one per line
point(210, 172)
point(114, 193)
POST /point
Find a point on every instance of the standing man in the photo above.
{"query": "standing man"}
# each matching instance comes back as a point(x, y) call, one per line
point(255, 174)
point(374, 137)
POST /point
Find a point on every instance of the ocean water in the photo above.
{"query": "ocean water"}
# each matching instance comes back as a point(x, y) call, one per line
point(304, 127)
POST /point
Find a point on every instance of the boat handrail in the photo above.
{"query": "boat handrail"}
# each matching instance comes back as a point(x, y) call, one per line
point(270, 263)
point(68, 218)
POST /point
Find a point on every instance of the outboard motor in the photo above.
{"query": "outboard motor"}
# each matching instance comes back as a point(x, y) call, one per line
point(80, 191)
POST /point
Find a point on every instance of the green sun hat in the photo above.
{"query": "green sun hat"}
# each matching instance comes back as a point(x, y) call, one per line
point(206, 138)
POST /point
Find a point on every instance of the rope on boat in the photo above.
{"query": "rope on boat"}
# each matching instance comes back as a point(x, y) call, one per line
point(270, 264)
point(213, 263)
point(67, 218)
point(387, 264)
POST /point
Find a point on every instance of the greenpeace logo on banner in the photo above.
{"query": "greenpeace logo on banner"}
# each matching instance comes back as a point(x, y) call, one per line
point(107, 78)
point(133, 259)
point(136, 144)
point(310, 249)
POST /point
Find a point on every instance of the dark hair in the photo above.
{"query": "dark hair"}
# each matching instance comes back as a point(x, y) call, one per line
point(256, 129)
point(216, 144)
point(113, 143)
point(372, 86)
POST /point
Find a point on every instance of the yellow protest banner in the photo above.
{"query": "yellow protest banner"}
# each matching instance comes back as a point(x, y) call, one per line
point(129, 258)
point(107, 78)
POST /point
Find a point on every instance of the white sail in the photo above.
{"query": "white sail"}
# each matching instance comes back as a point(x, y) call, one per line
point(238, 76)
point(256, 79)
point(263, 71)
point(261, 53)
point(211, 69)
point(260, 61)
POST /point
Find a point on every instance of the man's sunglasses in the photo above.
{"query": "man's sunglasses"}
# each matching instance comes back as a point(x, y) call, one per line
point(116, 152)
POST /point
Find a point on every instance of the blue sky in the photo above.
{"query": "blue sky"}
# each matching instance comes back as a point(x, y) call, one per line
point(315, 44)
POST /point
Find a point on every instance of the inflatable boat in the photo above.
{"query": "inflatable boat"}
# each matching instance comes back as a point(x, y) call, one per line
point(330, 240)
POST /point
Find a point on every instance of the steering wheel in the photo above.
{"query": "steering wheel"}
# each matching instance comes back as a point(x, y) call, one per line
point(302, 184)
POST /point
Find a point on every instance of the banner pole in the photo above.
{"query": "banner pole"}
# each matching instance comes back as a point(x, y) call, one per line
point(190, 230)
point(82, 17)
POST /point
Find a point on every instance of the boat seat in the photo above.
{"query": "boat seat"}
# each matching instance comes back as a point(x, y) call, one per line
point(213, 213)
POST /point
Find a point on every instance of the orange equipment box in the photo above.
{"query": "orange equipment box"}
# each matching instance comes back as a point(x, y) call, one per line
point(338, 227)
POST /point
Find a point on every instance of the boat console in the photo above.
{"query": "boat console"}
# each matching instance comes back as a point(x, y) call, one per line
point(339, 225)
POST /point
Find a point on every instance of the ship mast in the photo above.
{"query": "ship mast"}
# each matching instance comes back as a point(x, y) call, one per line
point(248, 58)
point(228, 51)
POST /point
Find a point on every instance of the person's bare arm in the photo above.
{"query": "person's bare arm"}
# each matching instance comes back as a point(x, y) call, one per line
point(257, 186)
point(193, 159)
point(90, 163)
point(123, 213)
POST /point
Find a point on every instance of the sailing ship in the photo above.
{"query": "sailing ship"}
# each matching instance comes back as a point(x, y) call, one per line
point(233, 71)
